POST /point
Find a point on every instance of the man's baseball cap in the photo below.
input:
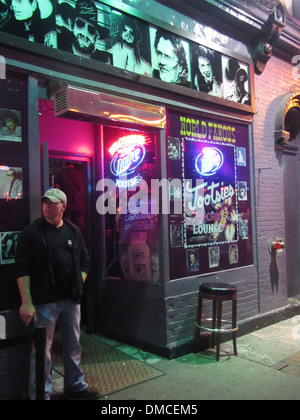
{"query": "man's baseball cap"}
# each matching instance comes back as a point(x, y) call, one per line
point(55, 195)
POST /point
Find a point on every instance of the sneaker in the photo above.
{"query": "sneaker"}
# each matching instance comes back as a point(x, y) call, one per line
point(86, 394)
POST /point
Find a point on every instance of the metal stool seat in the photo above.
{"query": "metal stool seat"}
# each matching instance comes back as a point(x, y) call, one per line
point(217, 293)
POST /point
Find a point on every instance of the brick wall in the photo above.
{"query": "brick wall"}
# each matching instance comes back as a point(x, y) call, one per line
point(275, 83)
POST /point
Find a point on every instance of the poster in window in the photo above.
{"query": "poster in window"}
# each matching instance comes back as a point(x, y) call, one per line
point(192, 260)
point(242, 191)
point(174, 148)
point(216, 203)
point(214, 256)
point(11, 183)
point(243, 229)
point(233, 254)
point(241, 156)
point(10, 125)
point(176, 235)
point(210, 193)
point(8, 246)
point(170, 57)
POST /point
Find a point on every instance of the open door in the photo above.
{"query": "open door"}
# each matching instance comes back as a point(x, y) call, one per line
point(71, 174)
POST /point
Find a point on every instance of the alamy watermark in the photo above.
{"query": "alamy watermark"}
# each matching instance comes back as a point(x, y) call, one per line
point(2, 67)
point(296, 329)
point(2, 328)
point(296, 68)
point(206, 206)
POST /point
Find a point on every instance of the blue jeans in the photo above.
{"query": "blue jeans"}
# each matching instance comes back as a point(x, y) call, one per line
point(66, 314)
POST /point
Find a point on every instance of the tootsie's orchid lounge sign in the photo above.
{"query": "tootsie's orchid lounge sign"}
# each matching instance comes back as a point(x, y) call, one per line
point(214, 230)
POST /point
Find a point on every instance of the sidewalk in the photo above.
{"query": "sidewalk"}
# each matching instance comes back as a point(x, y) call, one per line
point(267, 368)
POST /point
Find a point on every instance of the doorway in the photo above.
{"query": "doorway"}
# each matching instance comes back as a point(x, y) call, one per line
point(291, 171)
point(72, 174)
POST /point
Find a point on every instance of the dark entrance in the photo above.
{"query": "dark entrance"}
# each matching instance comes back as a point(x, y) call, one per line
point(71, 174)
point(291, 166)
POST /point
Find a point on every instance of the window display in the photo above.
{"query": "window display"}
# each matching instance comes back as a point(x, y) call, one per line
point(14, 179)
point(215, 174)
point(131, 227)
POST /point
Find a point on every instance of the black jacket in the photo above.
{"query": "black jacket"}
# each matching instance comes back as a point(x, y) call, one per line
point(33, 258)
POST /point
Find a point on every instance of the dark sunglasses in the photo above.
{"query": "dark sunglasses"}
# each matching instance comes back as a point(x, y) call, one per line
point(82, 23)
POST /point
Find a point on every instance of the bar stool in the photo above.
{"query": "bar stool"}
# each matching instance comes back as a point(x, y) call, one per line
point(218, 293)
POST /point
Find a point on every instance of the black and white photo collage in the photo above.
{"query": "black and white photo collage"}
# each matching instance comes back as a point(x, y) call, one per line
point(94, 30)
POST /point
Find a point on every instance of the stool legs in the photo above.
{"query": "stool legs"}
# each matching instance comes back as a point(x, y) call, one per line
point(219, 326)
point(199, 318)
point(213, 325)
point(216, 327)
point(234, 325)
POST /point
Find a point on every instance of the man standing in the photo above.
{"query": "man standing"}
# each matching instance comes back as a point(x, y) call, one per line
point(52, 266)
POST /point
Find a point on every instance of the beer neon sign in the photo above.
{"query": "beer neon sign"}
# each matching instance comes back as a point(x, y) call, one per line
point(127, 155)
point(209, 161)
point(4, 168)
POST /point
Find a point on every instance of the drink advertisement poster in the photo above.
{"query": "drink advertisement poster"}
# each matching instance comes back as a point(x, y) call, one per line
point(132, 244)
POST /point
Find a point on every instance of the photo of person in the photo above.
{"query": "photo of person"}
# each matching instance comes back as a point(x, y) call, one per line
point(173, 148)
point(31, 19)
point(65, 14)
point(4, 14)
point(241, 156)
point(235, 81)
point(243, 229)
point(8, 246)
point(233, 254)
point(176, 235)
point(10, 125)
point(207, 70)
point(131, 49)
point(242, 191)
point(214, 256)
point(193, 261)
point(11, 183)
point(90, 30)
point(170, 58)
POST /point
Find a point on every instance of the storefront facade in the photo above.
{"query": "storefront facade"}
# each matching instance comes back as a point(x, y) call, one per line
point(180, 151)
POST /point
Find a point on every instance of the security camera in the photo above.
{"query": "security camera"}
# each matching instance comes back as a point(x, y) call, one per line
point(275, 24)
point(263, 42)
point(279, 14)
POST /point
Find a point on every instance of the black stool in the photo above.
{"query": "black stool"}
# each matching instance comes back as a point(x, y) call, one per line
point(218, 293)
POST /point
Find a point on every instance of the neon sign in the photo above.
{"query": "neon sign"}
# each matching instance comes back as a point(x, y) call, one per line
point(127, 155)
point(209, 161)
point(4, 168)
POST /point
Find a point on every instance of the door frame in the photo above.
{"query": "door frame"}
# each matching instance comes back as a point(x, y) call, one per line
point(88, 306)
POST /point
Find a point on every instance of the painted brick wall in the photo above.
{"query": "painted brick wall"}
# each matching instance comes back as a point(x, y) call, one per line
point(275, 83)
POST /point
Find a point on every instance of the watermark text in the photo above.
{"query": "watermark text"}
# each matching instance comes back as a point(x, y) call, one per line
point(296, 68)
point(2, 67)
